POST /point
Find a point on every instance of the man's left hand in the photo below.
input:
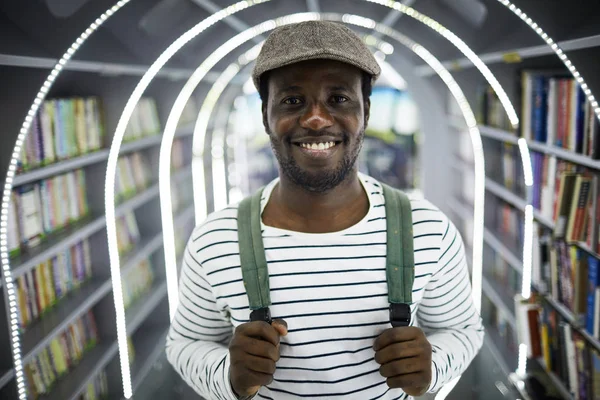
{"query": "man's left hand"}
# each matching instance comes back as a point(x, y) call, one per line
point(405, 357)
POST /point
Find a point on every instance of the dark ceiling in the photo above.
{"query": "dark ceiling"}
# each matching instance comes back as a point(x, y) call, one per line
point(142, 29)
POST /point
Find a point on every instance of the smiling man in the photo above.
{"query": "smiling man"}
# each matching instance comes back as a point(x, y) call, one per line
point(324, 232)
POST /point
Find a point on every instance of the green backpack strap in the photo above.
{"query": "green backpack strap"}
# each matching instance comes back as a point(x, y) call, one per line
point(400, 266)
point(400, 263)
point(255, 271)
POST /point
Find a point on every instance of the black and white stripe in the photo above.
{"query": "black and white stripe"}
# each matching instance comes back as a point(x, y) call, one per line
point(331, 290)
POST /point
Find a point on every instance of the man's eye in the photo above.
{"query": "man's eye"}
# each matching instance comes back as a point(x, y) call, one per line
point(292, 101)
point(339, 99)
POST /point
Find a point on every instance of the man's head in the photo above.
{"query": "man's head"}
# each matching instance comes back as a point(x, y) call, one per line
point(315, 80)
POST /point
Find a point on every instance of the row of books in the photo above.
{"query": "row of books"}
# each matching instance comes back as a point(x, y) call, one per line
point(133, 175)
point(39, 209)
point(137, 281)
point(144, 121)
point(490, 111)
point(178, 159)
point(562, 192)
point(555, 111)
point(128, 233)
point(42, 287)
point(63, 353)
point(62, 129)
point(501, 272)
point(570, 276)
point(500, 327)
point(559, 347)
point(96, 389)
point(503, 165)
point(507, 223)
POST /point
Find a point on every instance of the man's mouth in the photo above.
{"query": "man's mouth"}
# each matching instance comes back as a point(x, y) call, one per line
point(317, 146)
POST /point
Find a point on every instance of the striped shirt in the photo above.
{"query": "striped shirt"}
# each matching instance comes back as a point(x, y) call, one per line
point(331, 290)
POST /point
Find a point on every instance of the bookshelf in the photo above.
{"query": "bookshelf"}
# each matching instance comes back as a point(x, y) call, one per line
point(564, 311)
point(89, 366)
point(151, 347)
point(95, 293)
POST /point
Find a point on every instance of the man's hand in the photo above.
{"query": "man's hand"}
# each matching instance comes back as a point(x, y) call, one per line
point(254, 350)
point(405, 358)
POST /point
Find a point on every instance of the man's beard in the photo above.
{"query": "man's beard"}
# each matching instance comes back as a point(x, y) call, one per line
point(321, 181)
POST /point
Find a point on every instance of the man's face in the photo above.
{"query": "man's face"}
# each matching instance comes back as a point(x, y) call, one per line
point(316, 118)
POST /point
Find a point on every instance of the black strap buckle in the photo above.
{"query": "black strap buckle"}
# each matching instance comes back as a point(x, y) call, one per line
point(399, 314)
point(262, 314)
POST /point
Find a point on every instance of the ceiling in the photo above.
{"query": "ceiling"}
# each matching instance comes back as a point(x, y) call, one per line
point(142, 29)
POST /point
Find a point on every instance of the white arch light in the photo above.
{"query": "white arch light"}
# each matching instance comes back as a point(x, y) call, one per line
point(48, 83)
point(226, 77)
point(8, 185)
point(170, 258)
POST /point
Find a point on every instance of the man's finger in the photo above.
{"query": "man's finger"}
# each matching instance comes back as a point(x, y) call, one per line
point(281, 326)
point(259, 330)
point(257, 378)
point(260, 364)
point(400, 367)
point(406, 381)
point(397, 351)
point(259, 348)
point(396, 335)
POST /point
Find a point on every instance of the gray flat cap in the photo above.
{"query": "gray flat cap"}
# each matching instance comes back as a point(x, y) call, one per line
point(312, 40)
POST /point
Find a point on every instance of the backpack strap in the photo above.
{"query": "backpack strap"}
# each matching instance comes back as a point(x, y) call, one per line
point(400, 264)
point(252, 256)
point(400, 268)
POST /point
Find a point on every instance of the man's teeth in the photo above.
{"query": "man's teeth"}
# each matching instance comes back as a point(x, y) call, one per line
point(318, 146)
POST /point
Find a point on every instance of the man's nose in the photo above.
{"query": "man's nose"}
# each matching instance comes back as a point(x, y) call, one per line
point(316, 118)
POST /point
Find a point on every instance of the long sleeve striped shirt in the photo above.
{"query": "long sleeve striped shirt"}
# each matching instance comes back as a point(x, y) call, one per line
point(331, 290)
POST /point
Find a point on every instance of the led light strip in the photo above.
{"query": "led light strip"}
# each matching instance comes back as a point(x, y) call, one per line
point(170, 259)
point(525, 157)
point(559, 52)
point(462, 46)
point(8, 185)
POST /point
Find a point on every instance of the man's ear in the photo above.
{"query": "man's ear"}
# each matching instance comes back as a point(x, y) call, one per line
point(367, 112)
point(265, 117)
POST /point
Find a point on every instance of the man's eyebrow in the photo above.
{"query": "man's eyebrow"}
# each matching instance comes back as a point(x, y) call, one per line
point(291, 88)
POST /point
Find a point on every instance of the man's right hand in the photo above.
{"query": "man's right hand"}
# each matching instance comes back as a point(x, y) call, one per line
point(254, 350)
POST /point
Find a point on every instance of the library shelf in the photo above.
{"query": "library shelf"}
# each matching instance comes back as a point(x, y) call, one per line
point(143, 250)
point(564, 311)
point(74, 383)
point(6, 377)
point(77, 232)
point(516, 201)
point(572, 320)
point(143, 307)
point(556, 381)
point(497, 297)
point(148, 349)
point(103, 68)
point(584, 42)
point(61, 167)
point(506, 358)
point(94, 157)
point(56, 243)
point(499, 247)
point(558, 152)
point(38, 336)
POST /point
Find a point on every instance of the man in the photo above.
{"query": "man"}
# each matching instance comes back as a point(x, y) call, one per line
point(324, 234)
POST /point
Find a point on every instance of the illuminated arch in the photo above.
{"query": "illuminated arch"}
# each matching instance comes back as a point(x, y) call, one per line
point(7, 276)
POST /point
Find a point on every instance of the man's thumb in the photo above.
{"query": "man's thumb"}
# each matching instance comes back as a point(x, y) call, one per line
point(281, 326)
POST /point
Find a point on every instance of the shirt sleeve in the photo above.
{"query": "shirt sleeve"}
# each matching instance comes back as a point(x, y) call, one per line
point(447, 313)
point(197, 341)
